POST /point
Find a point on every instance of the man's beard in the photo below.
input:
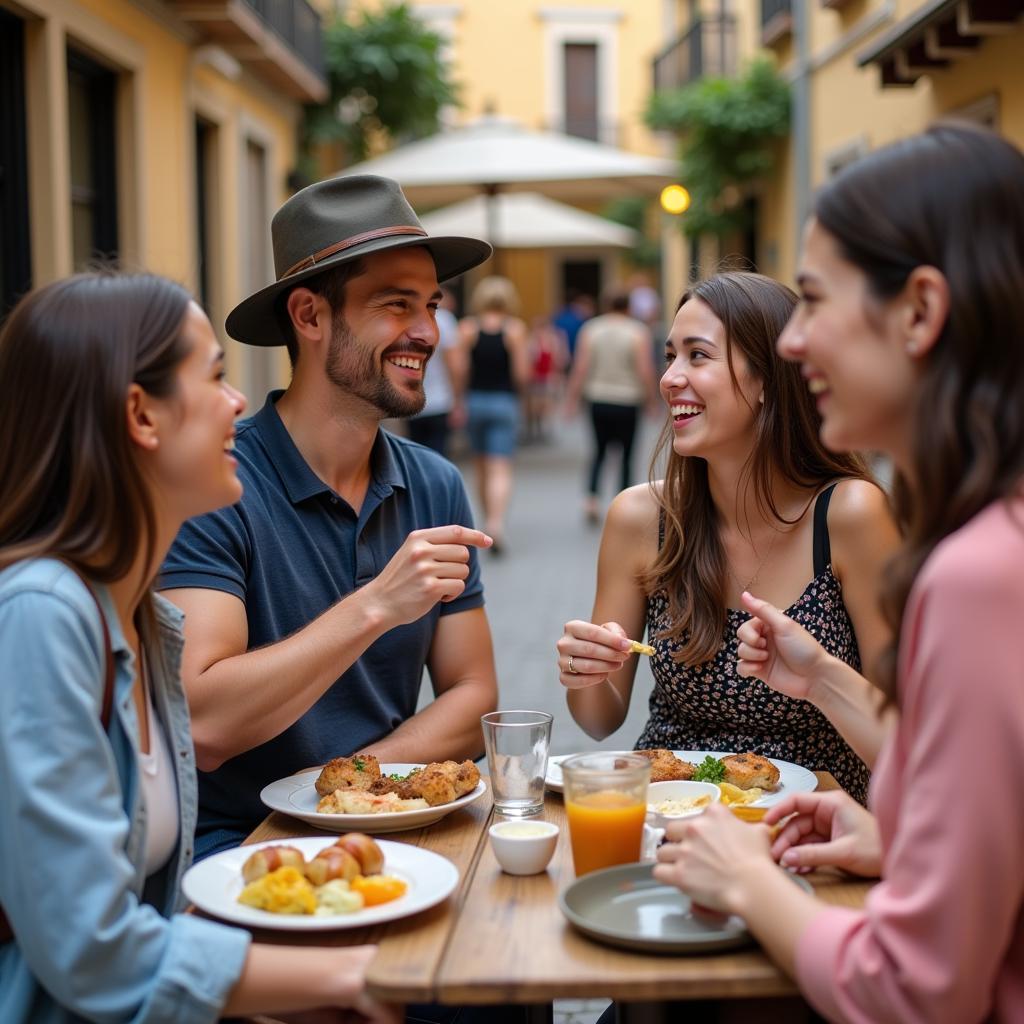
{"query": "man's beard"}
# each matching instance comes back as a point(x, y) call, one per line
point(352, 367)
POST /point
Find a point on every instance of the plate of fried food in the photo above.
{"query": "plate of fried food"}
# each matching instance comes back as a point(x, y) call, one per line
point(359, 793)
point(743, 778)
point(319, 884)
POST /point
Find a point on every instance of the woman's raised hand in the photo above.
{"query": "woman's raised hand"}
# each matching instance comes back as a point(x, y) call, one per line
point(588, 653)
point(826, 830)
point(778, 651)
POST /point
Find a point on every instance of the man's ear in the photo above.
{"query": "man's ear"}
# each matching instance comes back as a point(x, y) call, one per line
point(310, 314)
point(926, 298)
point(143, 424)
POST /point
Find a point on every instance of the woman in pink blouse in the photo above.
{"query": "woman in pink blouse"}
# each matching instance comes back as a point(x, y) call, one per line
point(911, 335)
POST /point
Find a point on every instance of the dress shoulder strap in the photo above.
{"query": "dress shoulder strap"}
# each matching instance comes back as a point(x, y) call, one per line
point(821, 546)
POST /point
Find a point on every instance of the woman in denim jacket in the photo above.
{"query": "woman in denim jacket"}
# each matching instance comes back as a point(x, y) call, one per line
point(117, 426)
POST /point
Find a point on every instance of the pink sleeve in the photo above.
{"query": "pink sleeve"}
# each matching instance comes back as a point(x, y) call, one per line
point(933, 936)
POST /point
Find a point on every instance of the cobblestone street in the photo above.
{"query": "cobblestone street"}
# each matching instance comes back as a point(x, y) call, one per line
point(547, 576)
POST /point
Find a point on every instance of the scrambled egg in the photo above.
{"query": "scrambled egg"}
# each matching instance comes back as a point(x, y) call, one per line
point(284, 891)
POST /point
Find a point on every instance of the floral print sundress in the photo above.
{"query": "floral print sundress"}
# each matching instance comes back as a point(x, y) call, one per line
point(712, 707)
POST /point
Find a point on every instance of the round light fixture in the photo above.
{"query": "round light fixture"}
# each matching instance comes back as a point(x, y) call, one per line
point(675, 199)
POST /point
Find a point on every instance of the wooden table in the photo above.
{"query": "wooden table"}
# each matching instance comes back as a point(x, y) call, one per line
point(501, 939)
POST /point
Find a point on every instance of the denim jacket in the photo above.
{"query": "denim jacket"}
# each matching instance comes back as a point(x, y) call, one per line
point(94, 939)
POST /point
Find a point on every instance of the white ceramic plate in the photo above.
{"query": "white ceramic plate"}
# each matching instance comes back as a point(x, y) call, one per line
point(792, 777)
point(213, 885)
point(296, 795)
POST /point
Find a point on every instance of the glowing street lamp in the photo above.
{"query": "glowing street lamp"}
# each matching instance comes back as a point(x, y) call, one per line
point(675, 199)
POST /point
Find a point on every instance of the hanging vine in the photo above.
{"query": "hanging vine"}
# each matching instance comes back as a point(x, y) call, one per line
point(729, 130)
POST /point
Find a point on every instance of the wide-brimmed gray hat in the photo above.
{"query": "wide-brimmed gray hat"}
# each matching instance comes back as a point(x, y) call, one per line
point(333, 222)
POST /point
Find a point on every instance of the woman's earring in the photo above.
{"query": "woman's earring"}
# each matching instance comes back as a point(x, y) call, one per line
point(911, 348)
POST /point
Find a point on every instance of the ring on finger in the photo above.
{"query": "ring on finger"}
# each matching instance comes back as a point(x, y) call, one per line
point(572, 668)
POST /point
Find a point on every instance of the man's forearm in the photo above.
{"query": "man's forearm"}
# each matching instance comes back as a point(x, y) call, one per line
point(446, 729)
point(247, 699)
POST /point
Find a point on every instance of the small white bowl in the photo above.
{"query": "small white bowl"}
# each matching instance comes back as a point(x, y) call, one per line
point(523, 847)
point(659, 793)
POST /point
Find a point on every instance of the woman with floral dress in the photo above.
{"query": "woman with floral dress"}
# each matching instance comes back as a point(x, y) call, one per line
point(750, 497)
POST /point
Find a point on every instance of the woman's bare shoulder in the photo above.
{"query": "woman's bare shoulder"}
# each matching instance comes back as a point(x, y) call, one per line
point(856, 502)
point(636, 508)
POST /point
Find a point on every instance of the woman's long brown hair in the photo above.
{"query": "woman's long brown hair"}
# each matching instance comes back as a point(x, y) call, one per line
point(70, 485)
point(952, 198)
point(691, 565)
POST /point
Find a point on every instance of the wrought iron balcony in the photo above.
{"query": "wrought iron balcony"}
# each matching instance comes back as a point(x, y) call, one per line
point(707, 47)
point(281, 41)
point(776, 20)
point(298, 24)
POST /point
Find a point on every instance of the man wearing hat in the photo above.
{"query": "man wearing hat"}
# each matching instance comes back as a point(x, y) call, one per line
point(313, 605)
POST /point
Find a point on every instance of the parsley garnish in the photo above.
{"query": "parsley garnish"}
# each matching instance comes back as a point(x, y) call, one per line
point(359, 763)
point(709, 770)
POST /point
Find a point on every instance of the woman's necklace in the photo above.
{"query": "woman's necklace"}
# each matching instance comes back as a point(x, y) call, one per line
point(760, 565)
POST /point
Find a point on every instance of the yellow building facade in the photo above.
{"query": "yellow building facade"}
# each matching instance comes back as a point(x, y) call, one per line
point(582, 67)
point(160, 133)
point(864, 73)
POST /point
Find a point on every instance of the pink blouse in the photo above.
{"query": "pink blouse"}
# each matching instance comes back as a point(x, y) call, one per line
point(941, 938)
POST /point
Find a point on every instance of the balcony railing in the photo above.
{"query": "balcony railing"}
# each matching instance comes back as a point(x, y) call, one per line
point(298, 25)
point(776, 20)
point(707, 47)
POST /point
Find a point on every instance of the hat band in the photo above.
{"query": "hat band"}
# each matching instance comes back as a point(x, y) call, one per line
point(348, 243)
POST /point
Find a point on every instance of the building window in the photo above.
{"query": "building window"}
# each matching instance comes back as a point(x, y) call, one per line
point(15, 253)
point(580, 101)
point(260, 361)
point(92, 93)
point(206, 140)
point(580, 73)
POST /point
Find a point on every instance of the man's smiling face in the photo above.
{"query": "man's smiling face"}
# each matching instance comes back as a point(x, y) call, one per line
point(386, 332)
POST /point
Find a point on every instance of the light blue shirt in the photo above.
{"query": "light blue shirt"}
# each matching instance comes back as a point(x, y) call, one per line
point(94, 939)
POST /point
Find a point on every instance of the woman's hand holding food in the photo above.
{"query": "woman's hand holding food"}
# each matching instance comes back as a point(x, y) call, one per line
point(778, 651)
point(588, 653)
point(826, 829)
point(716, 859)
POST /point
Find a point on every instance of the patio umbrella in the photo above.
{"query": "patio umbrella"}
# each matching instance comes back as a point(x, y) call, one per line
point(497, 153)
point(527, 220)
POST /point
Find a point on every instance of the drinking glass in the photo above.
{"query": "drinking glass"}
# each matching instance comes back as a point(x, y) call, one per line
point(517, 758)
point(605, 804)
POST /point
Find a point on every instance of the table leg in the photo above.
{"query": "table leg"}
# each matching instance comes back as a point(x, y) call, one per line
point(539, 1013)
point(641, 1013)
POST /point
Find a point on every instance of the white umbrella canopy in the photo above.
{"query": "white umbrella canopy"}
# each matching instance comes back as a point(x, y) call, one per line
point(527, 220)
point(497, 152)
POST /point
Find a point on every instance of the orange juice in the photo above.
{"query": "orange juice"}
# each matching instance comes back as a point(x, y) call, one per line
point(605, 828)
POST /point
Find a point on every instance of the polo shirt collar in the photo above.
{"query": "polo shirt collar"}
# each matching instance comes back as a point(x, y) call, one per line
point(299, 480)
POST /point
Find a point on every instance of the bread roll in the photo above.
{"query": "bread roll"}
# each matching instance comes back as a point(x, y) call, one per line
point(270, 858)
point(365, 850)
point(332, 862)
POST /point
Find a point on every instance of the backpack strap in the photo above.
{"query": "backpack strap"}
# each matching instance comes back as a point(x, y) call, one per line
point(106, 706)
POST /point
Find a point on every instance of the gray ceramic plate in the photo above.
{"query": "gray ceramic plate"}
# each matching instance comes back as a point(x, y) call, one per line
point(625, 906)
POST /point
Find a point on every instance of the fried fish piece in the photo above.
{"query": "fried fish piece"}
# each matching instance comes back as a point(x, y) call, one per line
point(355, 801)
point(359, 771)
point(636, 647)
point(666, 767)
point(439, 782)
point(749, 770)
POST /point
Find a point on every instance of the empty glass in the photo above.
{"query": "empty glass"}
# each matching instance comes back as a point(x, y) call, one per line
point(517, 758)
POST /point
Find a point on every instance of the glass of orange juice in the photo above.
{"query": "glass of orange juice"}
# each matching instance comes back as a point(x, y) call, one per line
point(606, 804)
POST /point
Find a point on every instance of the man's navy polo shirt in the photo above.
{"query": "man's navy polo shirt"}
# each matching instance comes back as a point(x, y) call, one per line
point(290, 549)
